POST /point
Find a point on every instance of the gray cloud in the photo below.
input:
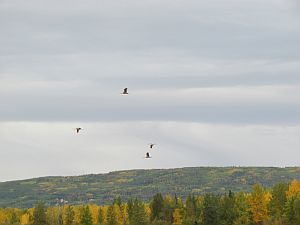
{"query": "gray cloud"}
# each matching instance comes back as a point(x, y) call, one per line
point(207, 29)
point(212, 82)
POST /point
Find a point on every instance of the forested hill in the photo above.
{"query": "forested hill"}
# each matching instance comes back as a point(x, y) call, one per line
point(143, 184)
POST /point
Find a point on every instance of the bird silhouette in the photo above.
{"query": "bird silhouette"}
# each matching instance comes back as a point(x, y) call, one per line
point(125, 92)
point(148, 155)
point(78, 129)
point(151, 145)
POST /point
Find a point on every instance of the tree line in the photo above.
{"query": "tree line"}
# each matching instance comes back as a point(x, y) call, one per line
point(279, 205)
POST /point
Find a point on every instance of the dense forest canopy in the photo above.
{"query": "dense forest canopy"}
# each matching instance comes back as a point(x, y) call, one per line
point(101, 189)
point(279, 205)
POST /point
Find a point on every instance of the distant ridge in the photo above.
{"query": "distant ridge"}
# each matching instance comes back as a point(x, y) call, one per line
point(143, 184)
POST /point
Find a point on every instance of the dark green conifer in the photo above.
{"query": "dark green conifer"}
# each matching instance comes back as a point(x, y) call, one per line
point(39, 214)
point(156, 206)
point(86, 217)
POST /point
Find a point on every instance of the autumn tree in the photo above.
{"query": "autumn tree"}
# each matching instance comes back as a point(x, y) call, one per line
point(114, 215)
point(259, 200)
point(29, 216)
point(3, 217)
point(69, 215)
point(25, 219)
point(294, 189)
point(178, 216)
point(52, 215)
point(178, 212)
point(94, 212)
point(292, 206)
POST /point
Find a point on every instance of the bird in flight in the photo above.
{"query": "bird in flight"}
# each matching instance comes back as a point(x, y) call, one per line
point(125, 92)
point(151, 145)
point(78, 129)
point(148, 155)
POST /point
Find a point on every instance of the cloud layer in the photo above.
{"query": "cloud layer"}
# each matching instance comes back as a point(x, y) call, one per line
point(212, 82)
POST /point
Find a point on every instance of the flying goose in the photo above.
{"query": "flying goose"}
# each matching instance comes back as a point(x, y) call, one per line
point(148, 155)
point(125, 92)
point(151, 145)
point(78, 129)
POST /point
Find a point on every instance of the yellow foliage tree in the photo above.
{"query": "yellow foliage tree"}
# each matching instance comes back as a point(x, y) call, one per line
point(25, 219)
point(77, 213)
point(105, 210)
point(147, 210)
point(177, 217)
point(118, 214)
point(52, 214)
point(3, 217)
point(124, 214)
point(114, 215)
point(258, 201)
point(294, 189)
point(169, 200)
point(94, 211)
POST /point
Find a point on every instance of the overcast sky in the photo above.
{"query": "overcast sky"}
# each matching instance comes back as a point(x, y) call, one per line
point(211, 82)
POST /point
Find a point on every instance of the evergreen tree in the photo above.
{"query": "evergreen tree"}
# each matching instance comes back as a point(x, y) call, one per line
point(130, 210)
point(60, 217)
point(86, 217)
point(228, 212)
point(191, 206)
point(297, 209)
point(210, 210)
point(190, 210)
point(278, 201)
point(136, 213)
point(242, 209)
point(118, 201)
point(14, 218)
point(100, 216)
point(157, 205)
point(140, 213)
point(292, 210)
point(39, 214)
point(114, 215)
point(158, 222)
point(168, 209)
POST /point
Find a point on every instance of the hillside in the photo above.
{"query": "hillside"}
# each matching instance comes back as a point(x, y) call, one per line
point(102, 188)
